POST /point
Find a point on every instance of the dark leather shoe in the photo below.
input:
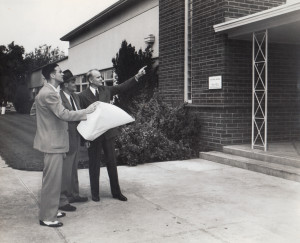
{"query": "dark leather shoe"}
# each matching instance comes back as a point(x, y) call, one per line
point(60, 214)
point(51, 223)
point(67, 207)
point(121, 197)
point(96, 198)
point(78, 199)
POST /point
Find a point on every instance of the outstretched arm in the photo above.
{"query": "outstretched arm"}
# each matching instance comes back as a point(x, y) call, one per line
point(128, 83)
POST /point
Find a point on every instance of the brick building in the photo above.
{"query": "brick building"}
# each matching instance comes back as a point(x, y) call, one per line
point(235, 62)
point(209, 59)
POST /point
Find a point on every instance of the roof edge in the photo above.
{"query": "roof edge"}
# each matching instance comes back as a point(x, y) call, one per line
point(92, 20)
point(269, 13)
point(62, 59)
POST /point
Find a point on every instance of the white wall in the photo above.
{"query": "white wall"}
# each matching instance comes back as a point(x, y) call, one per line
point(96, 48)
point(38, 80)
point(64, 64)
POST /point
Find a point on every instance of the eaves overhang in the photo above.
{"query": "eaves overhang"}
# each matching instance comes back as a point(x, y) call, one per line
point(283, 23)
point(39, 68)
point(96, 19)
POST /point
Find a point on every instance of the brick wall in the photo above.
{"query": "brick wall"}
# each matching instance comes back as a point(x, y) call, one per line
point(226, 113)
point(223, 126)
point(171, 50)
point(284, 92)
point(240, 8)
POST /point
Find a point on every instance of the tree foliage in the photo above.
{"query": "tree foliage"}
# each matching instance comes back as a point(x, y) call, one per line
point(12, 70)
point(43, 55)
point(126, 64)
point(160, 132)
point(15, 68)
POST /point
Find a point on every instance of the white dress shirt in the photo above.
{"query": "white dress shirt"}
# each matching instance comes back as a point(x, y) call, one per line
point(93, 90)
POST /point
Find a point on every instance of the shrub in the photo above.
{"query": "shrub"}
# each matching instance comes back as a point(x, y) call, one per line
point(160, 133)
point(22, 101)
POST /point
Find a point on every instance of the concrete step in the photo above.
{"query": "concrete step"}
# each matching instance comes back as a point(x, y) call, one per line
point(278, 170)
point(261, 155)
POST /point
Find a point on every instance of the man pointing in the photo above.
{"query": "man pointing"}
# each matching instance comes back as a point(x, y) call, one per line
point(106, 142)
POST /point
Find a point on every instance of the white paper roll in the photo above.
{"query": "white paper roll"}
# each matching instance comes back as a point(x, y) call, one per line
point(105, 117)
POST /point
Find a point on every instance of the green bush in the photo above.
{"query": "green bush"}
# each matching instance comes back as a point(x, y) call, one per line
point(160, 133)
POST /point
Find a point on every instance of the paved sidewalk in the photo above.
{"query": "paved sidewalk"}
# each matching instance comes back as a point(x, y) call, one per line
point(180, 201)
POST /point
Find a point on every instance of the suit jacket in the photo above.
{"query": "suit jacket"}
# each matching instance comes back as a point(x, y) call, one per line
point(105, 94)
point(52, 127)
point(72, 125)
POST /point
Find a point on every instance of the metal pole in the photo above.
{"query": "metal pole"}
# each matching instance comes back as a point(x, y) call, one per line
point(253, 87)
point(186, 39)
point(266, 91)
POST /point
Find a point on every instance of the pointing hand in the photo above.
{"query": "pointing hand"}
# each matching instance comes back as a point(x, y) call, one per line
point(141, 72)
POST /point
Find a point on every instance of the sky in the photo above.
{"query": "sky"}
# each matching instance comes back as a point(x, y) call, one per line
point(31, 23)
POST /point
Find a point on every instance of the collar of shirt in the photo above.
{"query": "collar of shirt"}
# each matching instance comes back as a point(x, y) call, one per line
point(55, 89)
point(93, 90)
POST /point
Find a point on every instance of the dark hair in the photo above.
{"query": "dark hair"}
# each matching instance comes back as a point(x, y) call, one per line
point(48, 69)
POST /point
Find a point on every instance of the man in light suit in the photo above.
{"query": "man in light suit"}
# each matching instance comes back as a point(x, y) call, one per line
point(52, 138)
point(98, 92)
point(70, 184)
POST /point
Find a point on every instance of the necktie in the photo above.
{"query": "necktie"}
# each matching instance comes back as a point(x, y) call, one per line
point(97, 94)
point(72, 103)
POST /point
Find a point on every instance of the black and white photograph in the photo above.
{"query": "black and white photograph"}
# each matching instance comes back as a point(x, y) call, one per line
point(150, 121)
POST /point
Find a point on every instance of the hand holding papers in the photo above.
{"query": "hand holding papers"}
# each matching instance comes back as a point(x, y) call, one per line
point(105, 117)
point(92, 107)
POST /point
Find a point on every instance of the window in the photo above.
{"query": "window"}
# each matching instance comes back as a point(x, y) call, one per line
point(108, 75)
point(81, 83)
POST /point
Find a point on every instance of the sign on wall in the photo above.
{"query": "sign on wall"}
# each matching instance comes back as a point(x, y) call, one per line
point(215, 82)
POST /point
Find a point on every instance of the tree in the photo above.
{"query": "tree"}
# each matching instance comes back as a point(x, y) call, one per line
point(126, 64)
point(12, 70)
point(41, 56)
point(15, 69)
point(160, 132)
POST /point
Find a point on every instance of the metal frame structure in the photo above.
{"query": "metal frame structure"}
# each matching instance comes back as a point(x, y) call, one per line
point(259, 89)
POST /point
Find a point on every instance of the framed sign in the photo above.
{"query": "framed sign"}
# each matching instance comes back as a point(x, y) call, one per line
point(215, 82)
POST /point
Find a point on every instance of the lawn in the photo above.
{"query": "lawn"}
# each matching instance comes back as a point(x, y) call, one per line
point(16, 144)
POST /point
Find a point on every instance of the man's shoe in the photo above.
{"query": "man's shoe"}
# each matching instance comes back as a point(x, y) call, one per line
point(96, 198)
point(51, 223)
point(121, 197)
point(60, 214)
point(67, 207)
point(78, 199)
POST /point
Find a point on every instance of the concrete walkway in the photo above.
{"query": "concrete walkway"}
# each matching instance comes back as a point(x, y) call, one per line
point(181, 201)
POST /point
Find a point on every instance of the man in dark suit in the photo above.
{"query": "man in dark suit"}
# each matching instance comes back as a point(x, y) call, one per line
point(70, 185)
point(98, 92)
point(53, 140)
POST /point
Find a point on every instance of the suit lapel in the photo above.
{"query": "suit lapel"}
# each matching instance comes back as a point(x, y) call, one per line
point(91, 95)
point(65, 101)
point(76, 100)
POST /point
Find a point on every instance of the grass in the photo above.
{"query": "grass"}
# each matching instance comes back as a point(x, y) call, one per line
point(17, 132)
